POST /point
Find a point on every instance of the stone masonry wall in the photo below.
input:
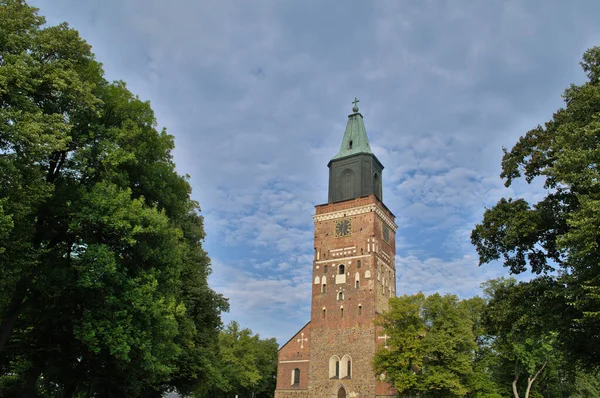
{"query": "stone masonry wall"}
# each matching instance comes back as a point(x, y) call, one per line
point(359, 343)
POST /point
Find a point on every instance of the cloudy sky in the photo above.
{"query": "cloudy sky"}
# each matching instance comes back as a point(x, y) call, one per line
point(257, 95)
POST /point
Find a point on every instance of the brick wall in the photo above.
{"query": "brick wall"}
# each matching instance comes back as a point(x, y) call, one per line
point(294, 354)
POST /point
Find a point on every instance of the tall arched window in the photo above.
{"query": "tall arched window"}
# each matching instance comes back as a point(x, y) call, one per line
point(376, 185)
point(295, 377)
point(340, 295)
point(342, 269)
point(334, 367)
point(346, 367)
point(324, 287)
point(347, 184)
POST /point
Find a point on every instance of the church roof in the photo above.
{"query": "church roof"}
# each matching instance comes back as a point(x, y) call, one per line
point(355, 137)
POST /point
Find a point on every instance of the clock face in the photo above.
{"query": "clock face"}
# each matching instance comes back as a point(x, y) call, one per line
point(343, 228)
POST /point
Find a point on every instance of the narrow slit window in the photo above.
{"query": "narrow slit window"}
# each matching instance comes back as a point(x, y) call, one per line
point(323, 288)
point(341, 312)
point(296, 377)
point(350, 145)
point(360, 310)
point(342, 269)
point(340, 295)
point(358, 263)
point(357, 284)
point(324, 312)
point(324, 269)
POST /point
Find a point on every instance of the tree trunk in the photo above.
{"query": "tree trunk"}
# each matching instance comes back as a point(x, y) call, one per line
point(514, 386)
point(19, 297)
point(530, 380)
point(30, 380)
point(70, 390)
point(15, 308)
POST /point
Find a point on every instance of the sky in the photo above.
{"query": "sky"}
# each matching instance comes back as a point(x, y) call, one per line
point(257, 94)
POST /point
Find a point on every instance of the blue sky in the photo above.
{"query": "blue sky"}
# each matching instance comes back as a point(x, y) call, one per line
point(257, 95)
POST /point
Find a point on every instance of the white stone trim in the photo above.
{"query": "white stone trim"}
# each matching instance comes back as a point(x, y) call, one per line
point(341, 259)
point(356, 211)
point(385, 255)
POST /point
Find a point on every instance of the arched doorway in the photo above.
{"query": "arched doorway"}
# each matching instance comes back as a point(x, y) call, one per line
point(342, 392)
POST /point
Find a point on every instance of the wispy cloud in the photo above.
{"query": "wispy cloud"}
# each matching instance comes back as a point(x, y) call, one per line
point(256, 94)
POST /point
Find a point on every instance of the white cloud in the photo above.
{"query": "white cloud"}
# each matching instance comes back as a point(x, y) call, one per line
point(460, 276)
point(256, 95)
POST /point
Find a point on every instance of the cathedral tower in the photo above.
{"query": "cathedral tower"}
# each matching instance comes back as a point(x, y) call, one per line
point(353, 276)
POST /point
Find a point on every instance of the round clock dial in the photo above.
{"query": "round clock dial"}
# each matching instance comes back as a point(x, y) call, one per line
point(343, 227)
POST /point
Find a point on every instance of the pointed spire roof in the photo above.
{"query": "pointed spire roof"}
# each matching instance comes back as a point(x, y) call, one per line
point(355, 137)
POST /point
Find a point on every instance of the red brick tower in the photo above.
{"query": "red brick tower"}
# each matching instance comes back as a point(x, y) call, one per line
point(353, 277)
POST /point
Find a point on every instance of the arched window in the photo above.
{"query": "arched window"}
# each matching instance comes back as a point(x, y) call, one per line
point(359, 309)
point(342, 269)
point(334, 367)
point(346, 367)
point(376, 185)
point(347, 184)
point(324, 287)
point(295, 377)
point(324, 312)
point(324, 269)
point(340, 295)
point(317, 280)
point(341, 312)
point(357, 284)
point(367, 274)
point(350, 145)
point(358, 263)
point(341, 392)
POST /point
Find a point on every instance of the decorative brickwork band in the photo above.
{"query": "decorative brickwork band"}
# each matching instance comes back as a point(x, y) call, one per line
point(355, 211)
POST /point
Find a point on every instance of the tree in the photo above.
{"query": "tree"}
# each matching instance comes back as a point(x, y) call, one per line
point(248, 364)
point(515, 317)
point(432, 347)
point(103, 279)
point(558, 236)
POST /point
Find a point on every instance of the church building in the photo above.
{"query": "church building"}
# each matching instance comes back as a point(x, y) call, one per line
point(353, 276)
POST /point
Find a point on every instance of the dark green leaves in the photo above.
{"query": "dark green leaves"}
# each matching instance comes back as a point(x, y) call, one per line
point(103, 278)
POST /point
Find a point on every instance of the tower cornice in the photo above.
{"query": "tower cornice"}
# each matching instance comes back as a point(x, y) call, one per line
point(372, 207)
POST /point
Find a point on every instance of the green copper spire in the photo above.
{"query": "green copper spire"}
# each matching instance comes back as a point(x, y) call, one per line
point(355, 137)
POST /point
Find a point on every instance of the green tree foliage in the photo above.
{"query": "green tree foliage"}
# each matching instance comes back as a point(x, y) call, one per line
point(433, 349)
point(558, 236)
point(248, 364)
point(516, 318)
point(103, 279)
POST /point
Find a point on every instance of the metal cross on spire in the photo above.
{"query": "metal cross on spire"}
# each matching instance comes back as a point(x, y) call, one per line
point(355, 107)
